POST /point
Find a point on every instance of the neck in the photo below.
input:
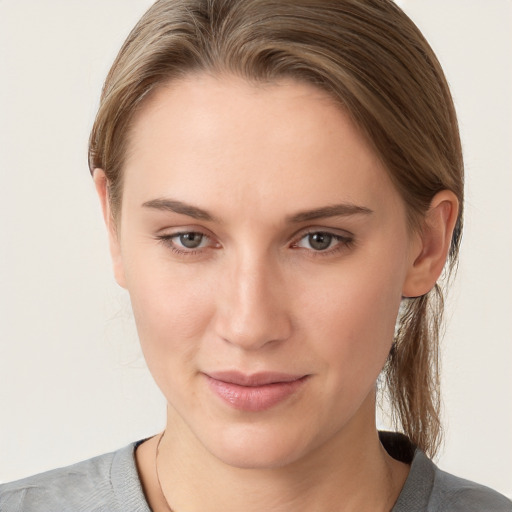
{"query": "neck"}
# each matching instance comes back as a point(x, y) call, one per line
point(351, 471)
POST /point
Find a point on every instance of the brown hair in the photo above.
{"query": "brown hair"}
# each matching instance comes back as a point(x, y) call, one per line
point(374, 62)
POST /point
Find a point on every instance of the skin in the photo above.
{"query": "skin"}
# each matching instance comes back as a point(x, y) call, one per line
point(258, 296)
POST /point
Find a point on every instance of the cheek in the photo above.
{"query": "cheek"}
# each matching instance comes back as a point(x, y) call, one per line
point(352, 318)
point(172, 311)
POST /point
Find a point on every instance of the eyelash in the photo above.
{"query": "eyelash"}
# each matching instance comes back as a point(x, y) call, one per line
point(345, 242)
point(167, 241)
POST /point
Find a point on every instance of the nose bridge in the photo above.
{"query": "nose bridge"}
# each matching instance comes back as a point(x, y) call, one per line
point(253, 311)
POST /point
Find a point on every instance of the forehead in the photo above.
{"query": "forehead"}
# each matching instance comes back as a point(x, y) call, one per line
point(207, 138)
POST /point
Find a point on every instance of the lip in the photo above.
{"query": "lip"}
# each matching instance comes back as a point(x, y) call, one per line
point(256, 392)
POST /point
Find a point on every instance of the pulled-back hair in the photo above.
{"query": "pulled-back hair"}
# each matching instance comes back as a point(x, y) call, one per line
point(372, 59)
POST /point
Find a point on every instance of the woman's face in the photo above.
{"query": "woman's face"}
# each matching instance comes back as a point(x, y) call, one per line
point(265, 251)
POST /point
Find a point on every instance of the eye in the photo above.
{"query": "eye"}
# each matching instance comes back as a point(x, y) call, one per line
point(319, 241)
point(322, 241)
point(186, 242)
point(191, 240)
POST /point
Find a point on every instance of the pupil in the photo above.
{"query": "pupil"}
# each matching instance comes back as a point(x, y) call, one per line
point(191, 240)
point(320, 241)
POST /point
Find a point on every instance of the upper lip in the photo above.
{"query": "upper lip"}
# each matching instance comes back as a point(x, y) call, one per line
point(255, 379)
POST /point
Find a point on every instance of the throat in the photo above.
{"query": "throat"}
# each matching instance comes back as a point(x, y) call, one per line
point(368, 483)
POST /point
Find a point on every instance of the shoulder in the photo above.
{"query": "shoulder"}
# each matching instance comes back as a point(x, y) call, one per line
point(60, 488)
point(454, 494)
point(99, 484)
point(429, 489)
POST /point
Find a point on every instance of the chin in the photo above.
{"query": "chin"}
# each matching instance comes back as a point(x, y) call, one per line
point(257, 456)
point(256, 447)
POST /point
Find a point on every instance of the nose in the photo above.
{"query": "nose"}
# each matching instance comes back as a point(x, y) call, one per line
point(253, 310)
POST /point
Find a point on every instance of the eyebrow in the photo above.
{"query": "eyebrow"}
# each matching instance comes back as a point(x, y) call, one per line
point(172, 205)
point(336, 210)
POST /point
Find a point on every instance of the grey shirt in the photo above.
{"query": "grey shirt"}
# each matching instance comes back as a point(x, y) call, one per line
point(110, 483)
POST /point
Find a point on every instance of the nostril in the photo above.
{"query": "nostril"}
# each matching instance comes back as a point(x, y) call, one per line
point(253, 329)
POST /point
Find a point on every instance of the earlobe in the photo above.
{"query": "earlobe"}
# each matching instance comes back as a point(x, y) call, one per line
point(434, 240)
point(101, 184)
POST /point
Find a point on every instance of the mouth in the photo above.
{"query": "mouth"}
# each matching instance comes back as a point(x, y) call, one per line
point(254, 393)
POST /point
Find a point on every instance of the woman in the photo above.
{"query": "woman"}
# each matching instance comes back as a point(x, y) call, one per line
point(278, 180)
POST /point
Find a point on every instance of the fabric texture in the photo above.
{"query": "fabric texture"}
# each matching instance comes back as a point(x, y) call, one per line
point(110, 483)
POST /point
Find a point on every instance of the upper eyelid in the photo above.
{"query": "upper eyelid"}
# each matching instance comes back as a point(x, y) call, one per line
point(175, 231)
point(343, 233)
point(183, 232)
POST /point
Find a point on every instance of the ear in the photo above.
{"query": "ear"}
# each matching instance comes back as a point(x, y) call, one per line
point(101, 184)
point(431, 248)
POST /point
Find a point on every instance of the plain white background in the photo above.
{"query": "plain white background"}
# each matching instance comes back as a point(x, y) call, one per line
point(72, 381)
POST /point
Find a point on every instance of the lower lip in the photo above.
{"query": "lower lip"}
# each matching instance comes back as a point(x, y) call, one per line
point(254, 398)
